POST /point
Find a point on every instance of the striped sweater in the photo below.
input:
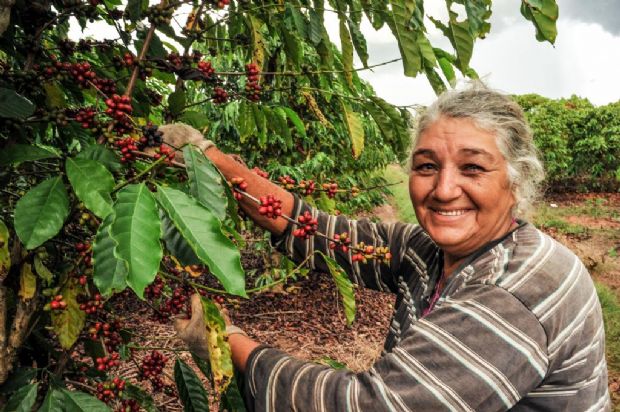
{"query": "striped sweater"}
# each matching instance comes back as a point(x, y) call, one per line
point(518, 327)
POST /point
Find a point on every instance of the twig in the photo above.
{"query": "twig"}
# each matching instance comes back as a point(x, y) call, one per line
point(139, 175)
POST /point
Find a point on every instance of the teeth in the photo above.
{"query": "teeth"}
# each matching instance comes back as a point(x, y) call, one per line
point(450, 212)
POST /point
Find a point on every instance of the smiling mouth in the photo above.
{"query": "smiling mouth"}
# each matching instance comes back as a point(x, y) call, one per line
point(450, 212)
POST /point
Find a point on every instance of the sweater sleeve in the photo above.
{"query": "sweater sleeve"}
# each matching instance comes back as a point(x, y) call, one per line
point(399, 237)
point(481, 350)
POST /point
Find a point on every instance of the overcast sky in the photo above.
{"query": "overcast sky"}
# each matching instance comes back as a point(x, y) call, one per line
point(584, 61)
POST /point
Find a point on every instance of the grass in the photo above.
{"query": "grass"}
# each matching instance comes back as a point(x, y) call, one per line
point(611, 317)
point(400, 199)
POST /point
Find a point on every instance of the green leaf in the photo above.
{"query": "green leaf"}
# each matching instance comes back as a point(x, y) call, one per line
point(446, 61)
point(23, 400)
point(54, 401)
point(232, 399)
point(18, 153)
point(14, 105)
point(20, 377)
point(109, 272)
point(297, 122)
point(205, 182)
point(197, 120)
point(92, 183)
point(176, 243)
point(191, 391)
point(359, 42)
point(82, 402)
point(435, 80)
point(203, 233)
point(293, 48)
point(294, 21)
point(478, 12)
point(135, 9)
point(246, 126)
point(136, 228)
point(103, 155)
point(176, 102)
point(144, 399)
point(54, 96)
point(345, 287)
point(5, 255)
point(279, 121)
point(402, 10)
point(43, 272)
point(544, 15)
point(219, 350)
point(261, 125)
point(203, 366)
point(460, 38)
point(68, 323)
point(40, 213)
point(258, 43)
point(347, 53)
point(315, 33)
point(355, 129)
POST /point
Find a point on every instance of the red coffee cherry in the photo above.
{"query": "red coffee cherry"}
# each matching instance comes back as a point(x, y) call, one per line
point(270, 207)
point(307, 226)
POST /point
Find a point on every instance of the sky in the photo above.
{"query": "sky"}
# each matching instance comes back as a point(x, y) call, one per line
point(585, 59)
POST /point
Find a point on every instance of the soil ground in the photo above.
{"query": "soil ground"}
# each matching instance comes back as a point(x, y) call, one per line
point(305, 319)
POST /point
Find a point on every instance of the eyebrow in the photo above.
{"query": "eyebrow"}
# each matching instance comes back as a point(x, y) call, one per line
point(468, 151)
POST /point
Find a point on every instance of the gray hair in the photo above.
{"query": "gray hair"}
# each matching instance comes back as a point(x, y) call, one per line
point(498, 113)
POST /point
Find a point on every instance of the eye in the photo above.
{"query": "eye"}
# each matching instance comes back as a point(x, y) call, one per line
point(473, 168)
point(425, 168)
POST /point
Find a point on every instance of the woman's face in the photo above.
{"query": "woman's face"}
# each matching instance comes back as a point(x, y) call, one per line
point(459, 186)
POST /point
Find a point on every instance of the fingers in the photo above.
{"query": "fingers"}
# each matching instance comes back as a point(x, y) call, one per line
point(180, 325)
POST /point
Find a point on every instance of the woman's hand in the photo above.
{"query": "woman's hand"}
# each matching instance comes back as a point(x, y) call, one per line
point(178, 135)
point(193, 331)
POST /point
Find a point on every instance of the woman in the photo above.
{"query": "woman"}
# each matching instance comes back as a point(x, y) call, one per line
point(491, 314)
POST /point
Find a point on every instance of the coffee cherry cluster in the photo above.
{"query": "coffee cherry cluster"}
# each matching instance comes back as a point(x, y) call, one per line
point(178, 302)
point(109, 331)
point(127, 60)
point(91, 306)
point(106, 86)
point(260, 172)
point(153, 365)
point(127, 146)
point(119, 108)
point(86, 117)
point(341, 241)
point(331, 189)
point(153, 291)
point(270, 206)
point(220, 96)
point(206, 69)
point(83, 248)
point(164, 151)
point(151, 136)
point(129, 405)
point(110, 390)
point(238, 183)
point(252, 88)
point(307, 226)
point(57, 303)
point(160, 15)
point(287, 182)
point(105, 363)
point(307, 187)
point(82, 73)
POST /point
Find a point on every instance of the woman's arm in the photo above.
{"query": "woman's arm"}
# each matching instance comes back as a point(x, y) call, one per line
point(483, 351)
point(257, 187)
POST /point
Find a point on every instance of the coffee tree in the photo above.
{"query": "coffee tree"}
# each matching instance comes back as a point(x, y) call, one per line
point(95, 207)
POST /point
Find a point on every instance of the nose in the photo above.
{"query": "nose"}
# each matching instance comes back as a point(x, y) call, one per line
point(447, 186)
